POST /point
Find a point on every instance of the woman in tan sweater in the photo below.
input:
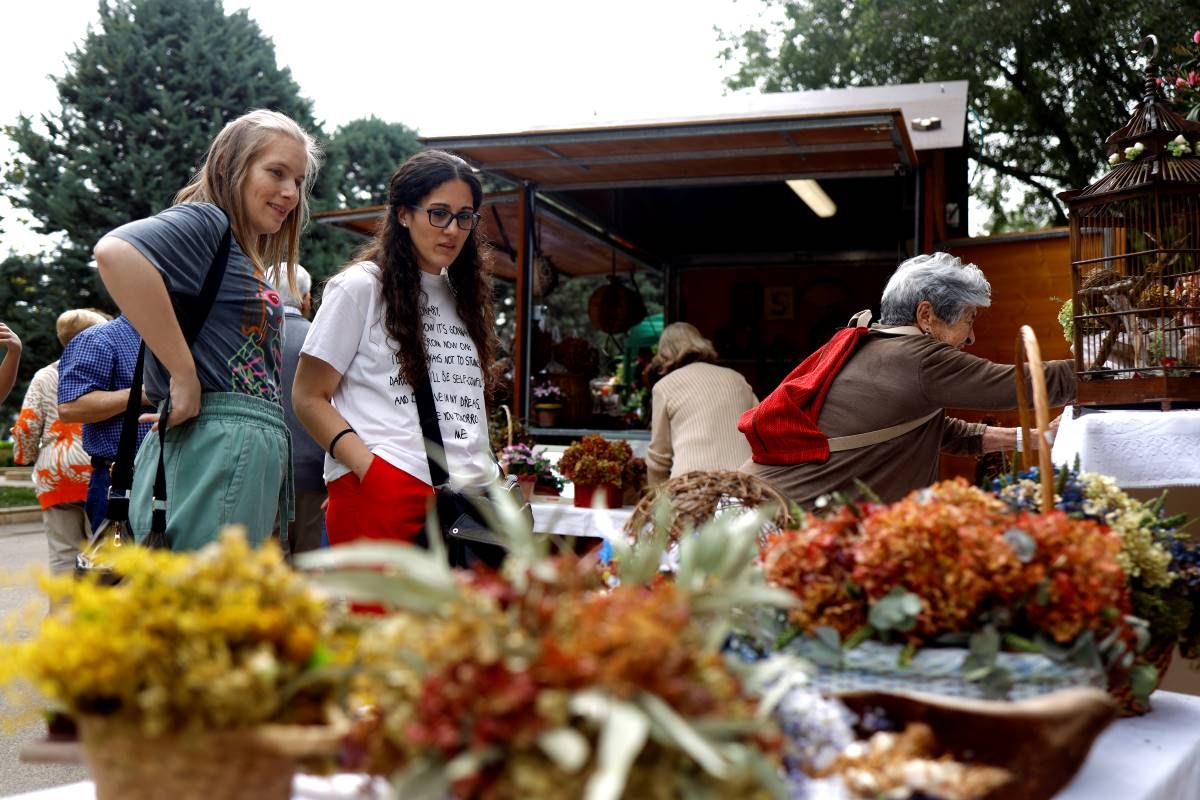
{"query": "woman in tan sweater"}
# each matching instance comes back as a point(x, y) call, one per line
point(696, 406)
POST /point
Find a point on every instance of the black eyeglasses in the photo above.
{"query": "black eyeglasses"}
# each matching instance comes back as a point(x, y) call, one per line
point(441, 217)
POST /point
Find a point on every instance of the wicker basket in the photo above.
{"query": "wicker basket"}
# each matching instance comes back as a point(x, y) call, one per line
point(1119, 687)
point(696, 497)
point(254, 764)
point(1027, 347)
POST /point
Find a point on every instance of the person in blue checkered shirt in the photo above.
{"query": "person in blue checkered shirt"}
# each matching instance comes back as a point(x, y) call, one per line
point(93, 388)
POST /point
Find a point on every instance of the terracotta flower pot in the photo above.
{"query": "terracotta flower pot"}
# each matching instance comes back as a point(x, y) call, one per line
point(527, 482)
point(585, 494)
point(546, 414)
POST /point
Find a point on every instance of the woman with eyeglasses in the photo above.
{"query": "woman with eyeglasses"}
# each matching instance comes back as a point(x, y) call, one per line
point(414, 306)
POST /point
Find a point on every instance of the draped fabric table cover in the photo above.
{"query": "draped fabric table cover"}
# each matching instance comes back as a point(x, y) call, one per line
point(1153, 757)
point(560, 516)
point(1141, 449)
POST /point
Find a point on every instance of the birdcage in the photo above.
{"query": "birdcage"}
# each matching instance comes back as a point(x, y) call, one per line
point(1135, 264)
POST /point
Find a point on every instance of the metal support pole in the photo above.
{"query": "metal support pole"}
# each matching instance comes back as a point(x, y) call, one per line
point(918, 214)
point(523, 341)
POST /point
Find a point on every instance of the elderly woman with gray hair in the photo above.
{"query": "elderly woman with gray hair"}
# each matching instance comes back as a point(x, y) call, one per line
point(869, 406)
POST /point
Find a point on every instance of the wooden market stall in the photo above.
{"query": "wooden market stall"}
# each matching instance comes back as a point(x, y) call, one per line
point(703, 205)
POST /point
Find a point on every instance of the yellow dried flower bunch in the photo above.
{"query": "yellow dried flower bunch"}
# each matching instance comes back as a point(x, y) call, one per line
point(220, 639)
point(1141, 556)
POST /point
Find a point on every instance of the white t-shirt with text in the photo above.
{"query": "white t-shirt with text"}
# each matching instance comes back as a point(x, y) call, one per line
point(349, 334)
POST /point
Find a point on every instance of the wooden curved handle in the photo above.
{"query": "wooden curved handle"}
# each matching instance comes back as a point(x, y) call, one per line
point(508, 416)
point(1027, 349)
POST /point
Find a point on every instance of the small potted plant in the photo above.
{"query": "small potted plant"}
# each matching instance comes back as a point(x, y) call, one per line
point(525, 464)
point(547, 402)
point(596, 464)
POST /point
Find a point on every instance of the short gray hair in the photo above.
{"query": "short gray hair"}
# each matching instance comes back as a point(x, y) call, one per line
point(278, 278)
point(944, 280)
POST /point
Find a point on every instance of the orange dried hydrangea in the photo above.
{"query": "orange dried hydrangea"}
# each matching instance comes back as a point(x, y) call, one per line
point(944, 544)
point(817, 564)
point(637, 639)
point(953, 546)
point(1074, 582)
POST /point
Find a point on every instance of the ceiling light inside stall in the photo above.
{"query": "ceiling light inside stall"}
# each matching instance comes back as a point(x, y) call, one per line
point(814, 197)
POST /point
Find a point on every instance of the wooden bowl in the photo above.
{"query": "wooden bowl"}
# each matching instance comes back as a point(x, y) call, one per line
point(1042, 741)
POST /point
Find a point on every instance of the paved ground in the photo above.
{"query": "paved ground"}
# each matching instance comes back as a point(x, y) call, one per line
point(23, 546)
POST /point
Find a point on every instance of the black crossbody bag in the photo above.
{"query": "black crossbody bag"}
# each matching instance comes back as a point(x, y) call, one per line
point(465, 527)
point(192, 313)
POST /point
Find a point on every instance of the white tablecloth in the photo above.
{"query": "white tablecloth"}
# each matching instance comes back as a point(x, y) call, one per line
point(562, 517)
point(1154, 757)
point(1141, 449)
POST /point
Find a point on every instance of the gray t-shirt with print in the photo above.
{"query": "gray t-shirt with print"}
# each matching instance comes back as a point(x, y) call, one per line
point(238, 350)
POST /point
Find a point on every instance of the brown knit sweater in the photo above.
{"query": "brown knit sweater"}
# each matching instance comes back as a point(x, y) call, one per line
point(890, 380)
point(694, 421)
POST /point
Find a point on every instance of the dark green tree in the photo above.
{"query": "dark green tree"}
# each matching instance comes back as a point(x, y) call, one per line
point(141, 98)
point(1048, 80)
point(362, 156)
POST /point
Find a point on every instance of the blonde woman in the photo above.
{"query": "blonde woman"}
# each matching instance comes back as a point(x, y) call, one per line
point(226, 445)
point(695, 408)
point(62, 468)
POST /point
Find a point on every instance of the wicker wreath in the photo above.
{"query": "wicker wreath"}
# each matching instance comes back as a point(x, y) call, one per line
point(695, 497)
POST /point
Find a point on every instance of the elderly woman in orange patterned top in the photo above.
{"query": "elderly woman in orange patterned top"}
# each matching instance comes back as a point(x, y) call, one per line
point(55, 448)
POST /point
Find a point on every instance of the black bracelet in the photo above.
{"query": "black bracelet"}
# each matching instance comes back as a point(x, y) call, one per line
point(333, 444)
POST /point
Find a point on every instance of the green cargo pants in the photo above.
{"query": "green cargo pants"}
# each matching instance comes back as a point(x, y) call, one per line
point(231, 465)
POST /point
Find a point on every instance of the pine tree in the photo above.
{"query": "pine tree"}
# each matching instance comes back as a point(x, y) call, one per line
point(143, 95)
point(142, 98)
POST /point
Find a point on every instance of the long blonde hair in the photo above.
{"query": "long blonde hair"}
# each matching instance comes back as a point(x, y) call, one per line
point(679, 345)
point(220, 178)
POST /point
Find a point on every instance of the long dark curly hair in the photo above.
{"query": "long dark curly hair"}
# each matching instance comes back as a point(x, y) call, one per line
point(469, 276)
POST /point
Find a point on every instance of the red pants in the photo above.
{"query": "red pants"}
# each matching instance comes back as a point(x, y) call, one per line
point(387, 504)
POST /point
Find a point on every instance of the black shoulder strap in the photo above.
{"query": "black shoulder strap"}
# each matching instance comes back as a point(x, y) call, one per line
point(192, 314)
point(122, 468)
point(432, 433)
point(191, 322)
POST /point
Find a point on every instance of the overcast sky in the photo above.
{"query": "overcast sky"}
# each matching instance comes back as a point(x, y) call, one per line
point(457, 67)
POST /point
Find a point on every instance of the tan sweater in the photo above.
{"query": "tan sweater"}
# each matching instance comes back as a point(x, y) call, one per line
point(890, 380)
point(694, 422)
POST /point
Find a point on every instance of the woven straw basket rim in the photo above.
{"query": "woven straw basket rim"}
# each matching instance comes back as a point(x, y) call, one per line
point(256, 762)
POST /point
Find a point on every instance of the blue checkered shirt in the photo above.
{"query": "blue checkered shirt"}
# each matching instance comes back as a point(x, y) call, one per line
point(100, 358)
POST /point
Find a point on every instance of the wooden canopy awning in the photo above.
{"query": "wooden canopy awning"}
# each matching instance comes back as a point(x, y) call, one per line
point(680, 153)
point(568, 244)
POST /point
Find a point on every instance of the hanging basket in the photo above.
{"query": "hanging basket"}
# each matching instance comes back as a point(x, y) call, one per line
point(615, 307)
point(252, 764)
